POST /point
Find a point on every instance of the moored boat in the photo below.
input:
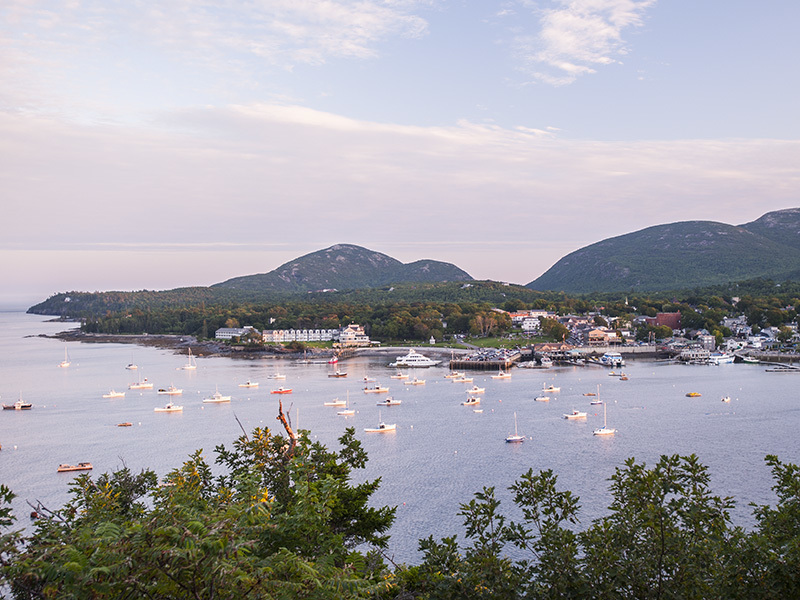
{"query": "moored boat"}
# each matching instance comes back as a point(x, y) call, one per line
point(170, 391)
point(376, 389)
point(575, 414)
point(18, 405)
point(413, 359)
point(216, 398)
point(281, 390)
point(249, 384)
point(114, 394)
point(389, 401)
point(168, 407)
point(81, 466)
point(516, 438)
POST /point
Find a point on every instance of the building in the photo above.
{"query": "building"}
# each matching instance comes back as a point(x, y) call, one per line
point(228, 333)
point(353, 336)
point(282, 336)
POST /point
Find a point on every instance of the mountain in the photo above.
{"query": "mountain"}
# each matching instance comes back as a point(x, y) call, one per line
point(344, 267)
point(682, 255)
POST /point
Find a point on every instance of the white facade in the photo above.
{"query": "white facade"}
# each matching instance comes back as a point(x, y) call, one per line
point(353, 335)
point(272, 336)
point(228, 333)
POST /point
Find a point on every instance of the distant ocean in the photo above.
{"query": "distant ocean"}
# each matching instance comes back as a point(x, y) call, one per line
point(441, 453)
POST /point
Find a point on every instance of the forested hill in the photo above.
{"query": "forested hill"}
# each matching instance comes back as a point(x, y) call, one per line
point(345, 267)
point(682, 255)
point(94, 304)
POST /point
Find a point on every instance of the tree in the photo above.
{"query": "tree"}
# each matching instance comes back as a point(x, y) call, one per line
point(281, 521)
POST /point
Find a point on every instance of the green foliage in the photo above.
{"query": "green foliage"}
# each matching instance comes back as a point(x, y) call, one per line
point(281, 521)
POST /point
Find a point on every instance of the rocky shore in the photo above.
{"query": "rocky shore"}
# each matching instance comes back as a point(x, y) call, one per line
point(180, 343)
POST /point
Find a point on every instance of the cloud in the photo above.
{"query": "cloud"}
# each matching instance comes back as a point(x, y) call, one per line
point(577, 37)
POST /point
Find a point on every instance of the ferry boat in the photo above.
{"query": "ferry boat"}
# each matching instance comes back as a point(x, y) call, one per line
point(18, 405)
point(612, 359)
point(720, 358)
point(414, 359)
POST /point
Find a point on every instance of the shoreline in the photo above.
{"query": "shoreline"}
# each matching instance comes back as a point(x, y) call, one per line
point(216, 348)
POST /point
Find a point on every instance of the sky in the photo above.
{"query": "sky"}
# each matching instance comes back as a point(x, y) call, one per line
point(150, 145)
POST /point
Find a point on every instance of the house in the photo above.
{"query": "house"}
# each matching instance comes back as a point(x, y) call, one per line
point(353, 336)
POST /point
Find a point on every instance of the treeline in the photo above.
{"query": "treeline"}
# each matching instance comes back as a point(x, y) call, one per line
point(412, 312)
point(280, 518)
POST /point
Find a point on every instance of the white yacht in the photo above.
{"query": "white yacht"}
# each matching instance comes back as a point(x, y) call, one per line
point(414, 359)
point(720, 358)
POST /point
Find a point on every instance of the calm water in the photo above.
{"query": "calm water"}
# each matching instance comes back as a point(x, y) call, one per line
point(439, 456)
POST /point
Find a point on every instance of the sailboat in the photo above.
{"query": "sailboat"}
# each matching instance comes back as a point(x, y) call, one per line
point(191, 365)
point(605, 429)
point(132, 366)
point(66, 362)
point(516, 438)
point(347, 410)
point(597, 397)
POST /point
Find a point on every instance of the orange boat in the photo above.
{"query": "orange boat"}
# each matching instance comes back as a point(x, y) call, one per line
point(282, 390)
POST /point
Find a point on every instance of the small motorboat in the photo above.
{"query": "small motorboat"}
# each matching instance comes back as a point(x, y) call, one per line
point(81, 466)
point(281, 390)
point(168, 408)
point(114, 394)
point(575, 414)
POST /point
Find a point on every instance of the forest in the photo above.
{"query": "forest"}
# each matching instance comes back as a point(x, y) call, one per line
point(410, 312)
point(278, 516)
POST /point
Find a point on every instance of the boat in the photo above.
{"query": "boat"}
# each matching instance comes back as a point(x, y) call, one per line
point(720, 358)
point(125, 424)
point(376, 389)
point(476, 390)
point(132, 366)
point(281, 390)
point(249, 384)
point(454, 375)
point(382, 427)
point(338, 373)
point(550, 389)
point(191, 365)
point(575, 414)
point(542, 398)
point(170, 391)
point(389, 401)
point(415, 381)
point(81, 466)
point(516, 438)
point(597, 396)
point(612, 359)
point(623, 377)
point(590, 394)
point(18, 405)
point(401, 375)
point(216, 398)
point(545, 362)
point(749, 359)
point(335, 402)
point(333, 360)
point(462, 379)
point(277, 376)
point(414, 359)
point(142, 384)
point(66, 362)
point(471, 401)
point(114, 394)
point(502, 375)
point(605, 429)
point(347, 410)
point(726, 399)
point(168, 407)
point(693, 394)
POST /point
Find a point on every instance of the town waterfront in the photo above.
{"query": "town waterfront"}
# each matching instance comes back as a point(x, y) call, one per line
point(440, 454)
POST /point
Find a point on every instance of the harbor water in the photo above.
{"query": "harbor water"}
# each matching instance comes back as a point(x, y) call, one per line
point(441, 452)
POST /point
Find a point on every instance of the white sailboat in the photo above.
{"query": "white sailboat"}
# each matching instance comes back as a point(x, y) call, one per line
point(191, 365)
point(66, 362)
point(605, 429)
point(347, 411)
point(597, 397)
point(516, 438)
